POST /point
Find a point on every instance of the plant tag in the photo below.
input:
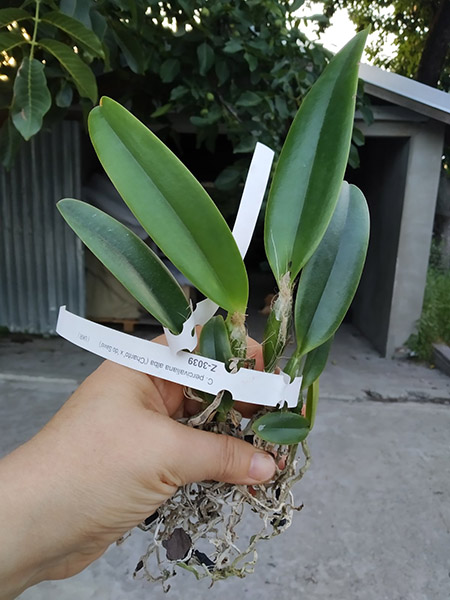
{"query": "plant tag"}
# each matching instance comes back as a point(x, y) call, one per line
point(244, 226)
point(184, 368)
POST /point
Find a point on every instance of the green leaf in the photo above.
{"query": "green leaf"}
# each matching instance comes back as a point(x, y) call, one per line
point(131, 49)
point(64, 96)
point(214, 340)
point(308, 177)
point(10, 40)
point(232, 46)
point(312, 399)
point(315, 363)
point(76, 30)
point(228, 179)
point(8, 15)
point(78, 9)
point(281, 428)
point(79, 71)
point(130, 260)
point(170, 204)
point(330, 279)
point(252, 61)
point(169, 70)
point(248, 99)
point(296, 5)
point(162, 110)
point(215, 343)
point(205, 55)
point(31, 100)
point(222, 71)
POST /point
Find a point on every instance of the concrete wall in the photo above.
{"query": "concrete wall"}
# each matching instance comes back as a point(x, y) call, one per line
point(399, 175)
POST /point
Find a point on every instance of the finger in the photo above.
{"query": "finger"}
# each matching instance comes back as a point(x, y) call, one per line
point(197, 455)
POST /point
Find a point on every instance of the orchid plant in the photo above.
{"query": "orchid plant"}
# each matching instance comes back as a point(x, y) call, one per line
point(316, 237)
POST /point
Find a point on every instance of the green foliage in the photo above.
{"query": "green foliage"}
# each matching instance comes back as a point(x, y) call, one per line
point(434, 324)
point(312, 401)
point(330, 279)
point(282, 427)
point(315, 363)
point(215, 343)
point(180, 217)
point(170, 204)
point(31, 98)
point(240, 67)
point(295, 222)
point(131, 261)
point(48, 49)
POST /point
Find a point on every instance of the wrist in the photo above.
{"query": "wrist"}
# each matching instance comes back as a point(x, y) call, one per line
point(25, 551)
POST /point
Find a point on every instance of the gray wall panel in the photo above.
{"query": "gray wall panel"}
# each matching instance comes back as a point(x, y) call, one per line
point(41, 260)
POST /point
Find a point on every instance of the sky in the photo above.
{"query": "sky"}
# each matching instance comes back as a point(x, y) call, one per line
point(339, 32)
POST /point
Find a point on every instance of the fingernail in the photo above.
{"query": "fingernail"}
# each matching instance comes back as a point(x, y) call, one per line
point(262, 467)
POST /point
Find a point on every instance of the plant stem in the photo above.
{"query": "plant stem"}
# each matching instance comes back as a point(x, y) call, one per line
point(278, 324)
point(238, 334)
point(36, 23)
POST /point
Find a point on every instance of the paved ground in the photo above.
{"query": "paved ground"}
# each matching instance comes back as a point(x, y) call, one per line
point(376, 522)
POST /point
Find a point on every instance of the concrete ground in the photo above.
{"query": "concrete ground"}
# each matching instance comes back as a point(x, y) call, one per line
point(376, 521)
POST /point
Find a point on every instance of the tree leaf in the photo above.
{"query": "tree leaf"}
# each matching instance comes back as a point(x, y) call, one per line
point(78, 9)
point(76, 30)
point(308, 177)
point(64, 97)
point(329, 280)
point(281, 428)
point(8, 15)
point(170, 204)
point(82, 75)
point(9, 40)
point(312, 400)
point(31, 99)
point(162, 110)
point(248, 99)
point(315, 363)
point(130, 260)
point(131, 49)
point(169, 70)
point(205, 55)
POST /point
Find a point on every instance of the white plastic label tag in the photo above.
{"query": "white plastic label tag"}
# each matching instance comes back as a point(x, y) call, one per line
point(184, 368)
point(244, 226)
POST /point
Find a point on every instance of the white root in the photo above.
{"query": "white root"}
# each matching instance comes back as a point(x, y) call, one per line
point(210, 514)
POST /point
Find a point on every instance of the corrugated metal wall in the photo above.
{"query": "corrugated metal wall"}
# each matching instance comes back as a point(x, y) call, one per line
point(41, 260)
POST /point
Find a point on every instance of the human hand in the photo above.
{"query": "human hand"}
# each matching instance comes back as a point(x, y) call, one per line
point(108, 459)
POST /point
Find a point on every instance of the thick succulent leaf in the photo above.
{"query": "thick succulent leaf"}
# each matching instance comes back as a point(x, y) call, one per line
point(281, 428)
point(170, 204)
point(9, 40)
point(312, 163)
point(82, 75)
point(8, 15)
point(215, 343)
point(31, 99)
point(131, 261)
point(214, 340)
point(77, 31)
point(312, 400)
point(315, 363)
point(329, 280)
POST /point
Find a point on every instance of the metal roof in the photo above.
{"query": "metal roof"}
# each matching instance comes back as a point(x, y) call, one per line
point(406, 92)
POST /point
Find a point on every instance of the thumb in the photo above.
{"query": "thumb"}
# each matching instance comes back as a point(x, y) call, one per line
point(200, 455)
